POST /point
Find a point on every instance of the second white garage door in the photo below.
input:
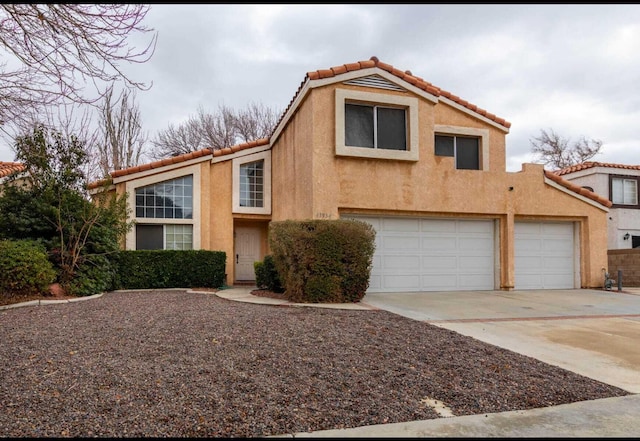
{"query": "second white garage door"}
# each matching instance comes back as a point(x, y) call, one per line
point(544, 255)
point(431, 254)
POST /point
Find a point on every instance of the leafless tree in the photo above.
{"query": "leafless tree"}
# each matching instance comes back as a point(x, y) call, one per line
point(122, 141)
point(53, 51)
point(218, 130)
point(255, 122)
point(556, 151)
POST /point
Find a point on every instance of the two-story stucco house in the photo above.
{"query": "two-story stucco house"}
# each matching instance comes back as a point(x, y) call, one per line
point(619, 184)
point(368, 141)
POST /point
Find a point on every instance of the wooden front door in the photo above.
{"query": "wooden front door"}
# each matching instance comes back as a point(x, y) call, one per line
point(247, 252)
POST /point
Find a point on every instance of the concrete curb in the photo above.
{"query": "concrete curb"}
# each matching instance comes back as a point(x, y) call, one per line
point(49, 302)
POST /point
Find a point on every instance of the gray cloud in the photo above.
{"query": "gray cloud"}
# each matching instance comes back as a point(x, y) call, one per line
point(573, 68)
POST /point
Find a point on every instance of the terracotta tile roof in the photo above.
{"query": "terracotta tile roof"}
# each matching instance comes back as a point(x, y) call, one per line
point(577, 189)
point(591, 164)
point(9, 168)
point(406, 76)
point(181, 158)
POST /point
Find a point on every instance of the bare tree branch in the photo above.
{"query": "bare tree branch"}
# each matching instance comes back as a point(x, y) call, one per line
point(556, 151)
point(218, 130)
point(122, 143)
point(55, 50)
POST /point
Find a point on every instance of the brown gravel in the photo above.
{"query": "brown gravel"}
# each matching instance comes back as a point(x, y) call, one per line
point(178, 364)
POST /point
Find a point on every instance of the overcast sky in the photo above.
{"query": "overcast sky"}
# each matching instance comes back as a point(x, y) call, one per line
point(571, 68)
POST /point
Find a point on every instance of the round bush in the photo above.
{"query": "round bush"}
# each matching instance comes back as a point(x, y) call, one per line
point(25, 268)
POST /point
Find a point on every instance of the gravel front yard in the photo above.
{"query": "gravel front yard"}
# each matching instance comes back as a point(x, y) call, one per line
point(177, 364)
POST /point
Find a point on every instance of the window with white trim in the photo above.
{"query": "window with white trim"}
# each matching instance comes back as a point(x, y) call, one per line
point(624, 191)
point(252, 184)
point(376, 125)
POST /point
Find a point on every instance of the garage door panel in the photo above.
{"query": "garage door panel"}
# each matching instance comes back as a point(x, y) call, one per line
point(437, 226)
point(558, 246)
point(440, 265)
point(557, 229)
point(471, 281)
point(477, 246)
point(446, 244)
point(405, 262)
point(400, 224)
point(438, 283)
point(404, 282)
point(401, 242)
point(475, 264)
point(476, 227)
point(557, 281)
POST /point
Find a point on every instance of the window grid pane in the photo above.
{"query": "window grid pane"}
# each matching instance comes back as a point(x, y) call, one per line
point(252, 184)
point(170, 199)
point(178, 237)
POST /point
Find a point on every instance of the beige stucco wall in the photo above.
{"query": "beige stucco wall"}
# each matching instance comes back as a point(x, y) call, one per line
point(429, 187)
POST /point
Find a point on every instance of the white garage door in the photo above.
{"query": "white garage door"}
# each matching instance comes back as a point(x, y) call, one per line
point(544, 255)
point(431, 254)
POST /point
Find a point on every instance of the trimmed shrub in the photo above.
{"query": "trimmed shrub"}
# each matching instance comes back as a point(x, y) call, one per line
point(156, 269)
point(25, 268)
point(267, 275)
point(326, 261)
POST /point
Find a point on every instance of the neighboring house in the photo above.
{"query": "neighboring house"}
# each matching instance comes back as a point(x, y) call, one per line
point(369, 141)
point(619, 184)
point(7, 169)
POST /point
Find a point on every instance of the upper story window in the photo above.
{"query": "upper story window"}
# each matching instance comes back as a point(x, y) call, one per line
point(465, 150)
point(624, 190)
point(252, 184)
point(251, 187)
point(375, 127)
point(171, 199)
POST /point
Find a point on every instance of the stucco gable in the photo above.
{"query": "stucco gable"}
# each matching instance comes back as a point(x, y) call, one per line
point(576, 189)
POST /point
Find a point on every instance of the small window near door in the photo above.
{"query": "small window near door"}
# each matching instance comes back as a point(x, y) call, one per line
point(252, 184)
point(465, 150)
point(635, 241)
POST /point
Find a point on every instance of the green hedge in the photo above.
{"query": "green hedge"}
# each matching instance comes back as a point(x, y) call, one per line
point(25, 268)
point(323, 261)
point(154, 269)
point(267, 275)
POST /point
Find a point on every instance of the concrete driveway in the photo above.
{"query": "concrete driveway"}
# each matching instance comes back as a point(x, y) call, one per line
point(591, 332)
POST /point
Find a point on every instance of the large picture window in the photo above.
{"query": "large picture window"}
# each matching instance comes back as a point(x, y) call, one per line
point(465, 150)
point(171, 199)
point(252, 184)
point(375, 127)
point(624, 191)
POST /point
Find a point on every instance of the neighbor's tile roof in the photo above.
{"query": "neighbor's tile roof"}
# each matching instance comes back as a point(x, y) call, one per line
point(577, 189)
point(591, 164)
point(9, 168)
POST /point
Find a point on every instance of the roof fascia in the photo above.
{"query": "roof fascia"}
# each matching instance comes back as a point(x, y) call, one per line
point(241, 153)
point(575, 195)
point(162, 169)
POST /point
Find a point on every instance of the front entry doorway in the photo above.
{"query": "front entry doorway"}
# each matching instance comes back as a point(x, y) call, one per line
point(247, 252)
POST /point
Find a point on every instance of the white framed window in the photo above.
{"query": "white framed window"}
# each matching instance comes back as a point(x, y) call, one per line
point(376, 125)
point(252, 183)
point(468, 146)
point(624, 191)
point(165, 206)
